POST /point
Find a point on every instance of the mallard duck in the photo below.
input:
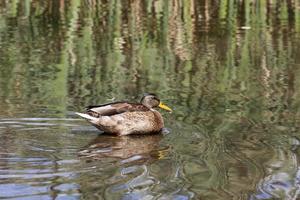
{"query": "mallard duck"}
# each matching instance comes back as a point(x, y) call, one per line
point(124, 118)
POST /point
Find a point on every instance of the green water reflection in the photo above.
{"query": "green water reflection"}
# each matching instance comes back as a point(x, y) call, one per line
point(230, 69)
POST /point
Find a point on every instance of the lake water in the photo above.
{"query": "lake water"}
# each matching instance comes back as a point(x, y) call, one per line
point(229, 69)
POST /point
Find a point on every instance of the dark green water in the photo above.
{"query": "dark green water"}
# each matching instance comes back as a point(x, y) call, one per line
point(229, 69)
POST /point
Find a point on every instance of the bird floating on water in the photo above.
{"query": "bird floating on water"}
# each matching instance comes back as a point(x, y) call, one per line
point(124, 118)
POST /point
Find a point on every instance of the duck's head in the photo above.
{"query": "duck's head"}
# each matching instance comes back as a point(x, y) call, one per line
point(151, 101)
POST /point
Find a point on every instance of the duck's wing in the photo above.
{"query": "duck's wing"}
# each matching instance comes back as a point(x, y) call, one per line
point(116, 108)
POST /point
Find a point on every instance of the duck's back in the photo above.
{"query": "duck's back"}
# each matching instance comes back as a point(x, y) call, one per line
point(115, 108)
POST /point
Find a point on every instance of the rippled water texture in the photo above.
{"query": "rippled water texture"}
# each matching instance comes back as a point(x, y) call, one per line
point(229, 69)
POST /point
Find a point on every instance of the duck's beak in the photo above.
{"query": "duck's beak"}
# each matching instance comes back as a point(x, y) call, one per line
point(163, 106)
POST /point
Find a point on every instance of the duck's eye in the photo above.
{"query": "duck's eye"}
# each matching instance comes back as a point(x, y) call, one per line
point(154, 98)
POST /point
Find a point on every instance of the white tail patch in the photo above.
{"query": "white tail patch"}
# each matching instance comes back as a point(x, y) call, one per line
point(86, 116)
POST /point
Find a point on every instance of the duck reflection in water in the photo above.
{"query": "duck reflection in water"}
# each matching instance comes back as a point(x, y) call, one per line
point(133, 177)
point(127, 148)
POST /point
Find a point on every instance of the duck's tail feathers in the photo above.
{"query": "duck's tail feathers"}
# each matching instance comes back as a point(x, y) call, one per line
point(86, 116)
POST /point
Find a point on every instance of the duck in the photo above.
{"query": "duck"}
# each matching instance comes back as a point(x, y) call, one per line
point(125, 118)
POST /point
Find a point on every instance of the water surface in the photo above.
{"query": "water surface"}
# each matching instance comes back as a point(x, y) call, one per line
point(230, 70)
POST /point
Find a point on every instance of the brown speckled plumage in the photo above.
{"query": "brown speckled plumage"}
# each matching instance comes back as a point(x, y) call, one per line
point(123, 118)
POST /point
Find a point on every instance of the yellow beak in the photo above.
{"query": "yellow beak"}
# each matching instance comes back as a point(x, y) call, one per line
point(163, 106)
